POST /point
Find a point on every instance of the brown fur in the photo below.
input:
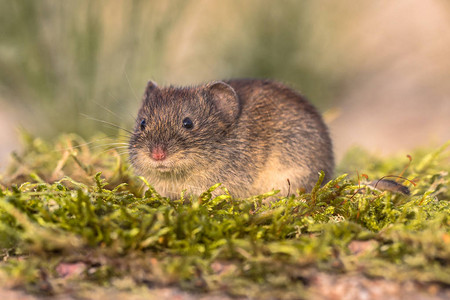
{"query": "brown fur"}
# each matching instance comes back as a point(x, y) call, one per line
point(250, 135)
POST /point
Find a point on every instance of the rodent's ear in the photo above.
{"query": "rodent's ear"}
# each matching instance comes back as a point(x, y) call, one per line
point(151, 86)
point(224, 98)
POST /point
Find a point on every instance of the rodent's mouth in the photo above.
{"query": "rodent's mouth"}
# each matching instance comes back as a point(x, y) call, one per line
point(163, 168)
point(170, 165)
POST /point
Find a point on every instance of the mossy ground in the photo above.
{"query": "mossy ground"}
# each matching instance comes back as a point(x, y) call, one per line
point(73, 218)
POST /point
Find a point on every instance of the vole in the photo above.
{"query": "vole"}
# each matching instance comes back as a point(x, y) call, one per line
point(250, 135)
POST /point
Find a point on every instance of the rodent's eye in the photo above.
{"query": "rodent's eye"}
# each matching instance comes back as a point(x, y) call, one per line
point(187, 123)
point(142, 124)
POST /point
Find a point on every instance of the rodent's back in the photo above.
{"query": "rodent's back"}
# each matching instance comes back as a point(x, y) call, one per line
point(272, 134)
point(291, 133)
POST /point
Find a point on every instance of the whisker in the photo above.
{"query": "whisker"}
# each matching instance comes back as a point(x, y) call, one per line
point(123, 153)
point(121, 148)
point(117, 147)
point(108, 110)
point(108, 147)
point(81, 145)
point(94, 144)
point(116, 144)
point(106, 122)
point(123, 137)
point(133, 117)
point(131, 88)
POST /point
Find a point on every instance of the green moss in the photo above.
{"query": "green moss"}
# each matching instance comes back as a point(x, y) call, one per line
point(55, 210)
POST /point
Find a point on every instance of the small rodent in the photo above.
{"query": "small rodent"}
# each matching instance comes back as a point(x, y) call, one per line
point(251, 135)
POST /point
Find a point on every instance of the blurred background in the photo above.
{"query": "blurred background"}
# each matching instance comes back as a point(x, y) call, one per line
point(378, 70)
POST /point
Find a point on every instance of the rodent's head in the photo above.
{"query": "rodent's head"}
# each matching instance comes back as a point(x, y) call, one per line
point(178, 129)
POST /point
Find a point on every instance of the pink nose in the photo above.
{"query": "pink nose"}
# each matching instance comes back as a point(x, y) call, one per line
point(158, 154)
